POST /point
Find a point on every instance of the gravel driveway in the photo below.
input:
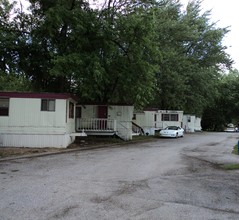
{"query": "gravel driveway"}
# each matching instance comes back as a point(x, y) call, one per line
point(165, 179)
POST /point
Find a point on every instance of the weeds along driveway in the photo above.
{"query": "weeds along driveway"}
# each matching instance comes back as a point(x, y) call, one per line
point(164, 179)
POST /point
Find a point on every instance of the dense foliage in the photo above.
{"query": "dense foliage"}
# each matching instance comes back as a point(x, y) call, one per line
point(225, 108)
point(140, 52)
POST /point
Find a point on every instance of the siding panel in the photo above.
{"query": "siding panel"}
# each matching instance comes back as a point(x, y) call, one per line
point(24, 112)
point(27, 113)
point(34, 140)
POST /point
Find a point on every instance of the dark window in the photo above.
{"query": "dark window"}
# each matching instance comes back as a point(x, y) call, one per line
point(165, 117)
point(48, 105)
point(169, 117)
point(4, 107)
point(134, 117)
point(174, 117)
point(71, 110)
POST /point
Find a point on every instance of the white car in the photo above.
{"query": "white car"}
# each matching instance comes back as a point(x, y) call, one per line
point(172, 131)
point(231, 128)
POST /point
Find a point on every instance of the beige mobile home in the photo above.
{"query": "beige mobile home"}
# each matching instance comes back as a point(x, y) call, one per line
point(36, 119)
point(152, 120)
point(100, 119)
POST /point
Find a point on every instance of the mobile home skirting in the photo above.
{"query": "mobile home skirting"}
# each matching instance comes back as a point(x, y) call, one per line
point(36, 140)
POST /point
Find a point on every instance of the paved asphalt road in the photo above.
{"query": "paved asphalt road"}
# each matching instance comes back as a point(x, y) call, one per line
point(165, 179)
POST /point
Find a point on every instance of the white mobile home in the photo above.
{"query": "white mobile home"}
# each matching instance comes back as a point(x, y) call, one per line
point(197, 124)
point(100, 119)
point(167, 118)
point(191, 123)
point(36, 119)
point(153, 119)
point(146, 120)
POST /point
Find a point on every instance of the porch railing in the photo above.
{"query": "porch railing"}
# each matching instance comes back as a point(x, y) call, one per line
point(95, 124)
point(137, 129)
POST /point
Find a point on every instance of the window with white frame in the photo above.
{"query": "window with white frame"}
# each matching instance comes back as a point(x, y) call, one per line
point(48, 105)
point(4, 106)
point(169, 117)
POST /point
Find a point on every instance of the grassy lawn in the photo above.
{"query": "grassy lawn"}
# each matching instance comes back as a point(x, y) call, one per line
point(232, 166)
point(235, 150)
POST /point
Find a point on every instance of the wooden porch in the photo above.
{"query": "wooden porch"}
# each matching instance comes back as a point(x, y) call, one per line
point(103, 126)
point(95, 125)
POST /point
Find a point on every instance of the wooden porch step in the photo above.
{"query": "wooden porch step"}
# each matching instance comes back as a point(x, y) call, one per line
point(109, 133)
point(135, 134)
point(78, 134)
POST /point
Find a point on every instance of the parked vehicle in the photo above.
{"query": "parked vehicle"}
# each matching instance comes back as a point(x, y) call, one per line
point(230, 128)
point(172, 131)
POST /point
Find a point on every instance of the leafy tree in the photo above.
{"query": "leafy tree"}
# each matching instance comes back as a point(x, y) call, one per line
point(192, 55)
point(8, 37)
point(171, 34)
point(207, 56)
point(102, 55)
point(12, 82)
point(225, 109)
point(124, 55)
point(51, 25)
point(12, 42)
point(137, 52)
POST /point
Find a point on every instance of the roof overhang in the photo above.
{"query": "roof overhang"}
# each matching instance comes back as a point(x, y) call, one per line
point(42, 95)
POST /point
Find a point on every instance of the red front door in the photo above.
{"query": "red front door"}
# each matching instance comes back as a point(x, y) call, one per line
point(102, 113)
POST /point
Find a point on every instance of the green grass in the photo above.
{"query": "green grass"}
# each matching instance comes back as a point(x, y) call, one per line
point(231, 166)
point(235, 150)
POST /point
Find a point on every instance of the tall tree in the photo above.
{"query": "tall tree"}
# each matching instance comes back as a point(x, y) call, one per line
point(126, 51)
point(102, 54)
point(12, 41)
point(52, 43)
point(225, 109)
point(122, 58)
point(191, 58)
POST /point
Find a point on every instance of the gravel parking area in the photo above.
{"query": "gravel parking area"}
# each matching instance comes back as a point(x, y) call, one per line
point(162, 179)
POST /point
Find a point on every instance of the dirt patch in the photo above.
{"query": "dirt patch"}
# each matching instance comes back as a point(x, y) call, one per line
point(93, 141)
point(19, 151)
point(79, 143)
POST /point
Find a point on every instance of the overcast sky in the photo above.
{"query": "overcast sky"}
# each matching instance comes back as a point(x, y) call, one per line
point(227, 14)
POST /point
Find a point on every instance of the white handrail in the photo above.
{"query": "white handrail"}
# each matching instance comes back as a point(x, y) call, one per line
point(95, 124)
point(123, 128)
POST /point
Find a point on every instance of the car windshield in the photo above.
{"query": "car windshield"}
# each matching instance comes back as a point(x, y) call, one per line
point(171, 128)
